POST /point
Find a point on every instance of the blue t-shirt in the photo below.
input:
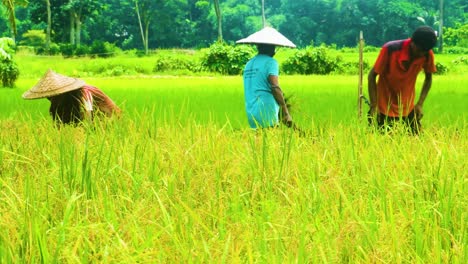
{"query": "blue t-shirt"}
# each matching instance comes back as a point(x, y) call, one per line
point(260, 105)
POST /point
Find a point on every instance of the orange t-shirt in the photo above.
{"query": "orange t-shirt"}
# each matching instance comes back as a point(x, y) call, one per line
point(396, 84)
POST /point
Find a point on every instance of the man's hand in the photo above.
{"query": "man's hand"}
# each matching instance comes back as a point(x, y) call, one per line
point(418, 111)
point(287, 120)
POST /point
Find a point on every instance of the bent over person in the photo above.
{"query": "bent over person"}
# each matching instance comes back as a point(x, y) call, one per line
point(71, 100)
point(398, 65)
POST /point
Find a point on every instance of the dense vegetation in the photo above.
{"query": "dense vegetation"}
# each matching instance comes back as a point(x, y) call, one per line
point(180, 178)
point(193, 23)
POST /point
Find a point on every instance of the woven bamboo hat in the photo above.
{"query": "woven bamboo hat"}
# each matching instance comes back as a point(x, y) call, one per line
point(269, 36)
point(53, 84)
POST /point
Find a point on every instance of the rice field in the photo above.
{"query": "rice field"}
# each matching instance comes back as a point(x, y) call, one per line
point(180, 178)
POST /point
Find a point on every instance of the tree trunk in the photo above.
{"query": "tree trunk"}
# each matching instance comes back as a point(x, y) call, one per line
point(78, 30)
point(72, 28)
point(49, 26)
point(146, 36)
point(441, 26)
point(219, 18)
point(78, 26)
point(263, 14)
point(10, 7)
point(143, 39)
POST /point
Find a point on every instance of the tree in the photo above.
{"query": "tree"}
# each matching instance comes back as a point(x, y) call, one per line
point(197, 23)
point(219, 20)
point(115, 24)
point(78, 10)
point(10, 8)
point(441, 25)
point(199, 30)
point(263, 14)
point(145, 10)
point(49, 25)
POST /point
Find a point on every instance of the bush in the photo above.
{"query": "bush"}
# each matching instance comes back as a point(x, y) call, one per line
point(81, 50)
point(371, 49)
point(140, 53)
point(7, 49)
point(457, 36)
point(461, 60)
point(103, 49)
point(54, 49)
point(455, 50)
point(441, 68)
point(227, 59)
point(33, 38)
point(169, 63)
point(9, 73)
point(67, 50)
point(352, 67)
point(311, 61)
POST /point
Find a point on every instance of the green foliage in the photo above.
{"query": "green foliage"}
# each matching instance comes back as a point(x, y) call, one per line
point(67, 50)
point(6, 48)
point(461, 60)
point(169, 63)
point(99, 48)
point(114, 67)
point(352, 68)
point(311, 60)
point(456, 50)
point(103, 49)
point(456, 36)
point(221, 193)
point(192, 23)
point(81, 50)
point(371, 49)
point(9, 73)
point(441, 68)
point(34, 38)
point(54, 49)
point(226, 59)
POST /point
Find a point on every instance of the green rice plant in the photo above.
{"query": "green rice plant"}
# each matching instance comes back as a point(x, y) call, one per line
point(180, 177)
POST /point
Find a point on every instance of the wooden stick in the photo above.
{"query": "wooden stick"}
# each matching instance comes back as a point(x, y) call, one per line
point(361, 45)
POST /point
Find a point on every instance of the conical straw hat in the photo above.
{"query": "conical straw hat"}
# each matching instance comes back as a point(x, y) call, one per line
point(269, 36)
point(53, 84)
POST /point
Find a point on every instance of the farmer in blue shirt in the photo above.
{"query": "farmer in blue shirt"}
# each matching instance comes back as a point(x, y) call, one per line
point(263, 96)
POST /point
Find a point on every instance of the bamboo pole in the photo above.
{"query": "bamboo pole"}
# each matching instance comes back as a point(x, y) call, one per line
point(361, 46)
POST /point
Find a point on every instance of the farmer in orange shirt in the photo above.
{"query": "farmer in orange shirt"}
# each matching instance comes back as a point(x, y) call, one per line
point(398, 65)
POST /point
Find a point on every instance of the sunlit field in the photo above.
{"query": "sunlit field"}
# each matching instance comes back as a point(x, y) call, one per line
point(180, 178)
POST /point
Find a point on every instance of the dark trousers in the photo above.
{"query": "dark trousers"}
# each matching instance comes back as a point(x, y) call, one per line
point(411, 121)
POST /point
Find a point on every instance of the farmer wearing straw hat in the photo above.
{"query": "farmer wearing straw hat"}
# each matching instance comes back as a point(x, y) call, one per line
point(71, 100)
point(263, 95)
point(398, 65)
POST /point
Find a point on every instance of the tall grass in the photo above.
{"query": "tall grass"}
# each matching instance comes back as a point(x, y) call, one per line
point(316, 100)
point(179, 178)
point(139, 191)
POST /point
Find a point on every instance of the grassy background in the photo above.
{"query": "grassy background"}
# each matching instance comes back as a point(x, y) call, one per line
point(315, 99)
point(180, 178)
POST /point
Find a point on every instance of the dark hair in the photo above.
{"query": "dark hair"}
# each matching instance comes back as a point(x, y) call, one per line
point(266, 49)
point(66, 108)
point(424, 37)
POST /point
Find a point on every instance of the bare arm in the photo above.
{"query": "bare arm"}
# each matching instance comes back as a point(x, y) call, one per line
point(278, 95)
point(372, 88)
point(422, 97)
